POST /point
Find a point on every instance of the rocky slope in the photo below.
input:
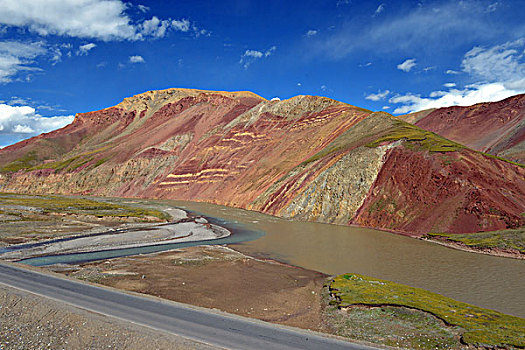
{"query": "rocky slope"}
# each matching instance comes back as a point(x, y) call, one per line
point(497, 128)
point(308, 158)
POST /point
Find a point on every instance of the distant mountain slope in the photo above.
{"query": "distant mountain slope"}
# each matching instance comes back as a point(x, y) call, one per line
point(309, 158)
point(497, 128)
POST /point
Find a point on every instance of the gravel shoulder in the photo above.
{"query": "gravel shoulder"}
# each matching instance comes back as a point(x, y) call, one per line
point(29, 321)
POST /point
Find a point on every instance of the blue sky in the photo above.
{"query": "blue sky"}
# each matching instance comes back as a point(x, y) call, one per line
point(61, 57)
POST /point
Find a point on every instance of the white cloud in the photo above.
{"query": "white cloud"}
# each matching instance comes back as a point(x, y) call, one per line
point(407, 65)
point(22, 129)
point(386, 107)
point(275, 99)
point(493, 7)
point(299, 84)
point(96, 19)
point(84, 49)
point(17, 56)
point(452, 72)
point(471, 95)
point(499, 72)
point(323, 87)
point(312, 32)
point(182, 25)
point(24, 120)
point(136, 59)
point(155, 27)
point(143, 8)
point(379, 96)
point(379, 9)
point(498, 63)
point(250, 56)
point(253, 53)
point(105, 20)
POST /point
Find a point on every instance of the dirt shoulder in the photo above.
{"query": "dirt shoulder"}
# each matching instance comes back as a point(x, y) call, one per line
point(29, 321)
point(217, 277)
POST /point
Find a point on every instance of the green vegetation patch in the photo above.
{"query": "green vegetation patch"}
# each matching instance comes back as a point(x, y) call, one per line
point(416, 136)
point(512, 239)
point(480, 327)
point(503, 159)
point(69, 164)
point(393, 326)
point(24, 162)
point(78, 205)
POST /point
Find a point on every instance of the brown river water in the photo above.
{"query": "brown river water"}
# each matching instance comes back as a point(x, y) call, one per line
point(487, 281)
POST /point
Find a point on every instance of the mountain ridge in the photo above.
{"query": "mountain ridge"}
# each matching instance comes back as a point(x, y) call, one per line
point(308, 158)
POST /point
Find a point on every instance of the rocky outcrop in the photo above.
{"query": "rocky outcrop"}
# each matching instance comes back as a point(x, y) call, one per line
point(307, 158)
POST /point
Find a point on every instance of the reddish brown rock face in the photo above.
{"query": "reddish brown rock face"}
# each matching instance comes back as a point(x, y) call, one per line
point(307, 157)
point(497, 128)
point(458, 192)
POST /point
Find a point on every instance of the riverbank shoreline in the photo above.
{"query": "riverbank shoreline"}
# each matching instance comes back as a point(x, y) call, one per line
point(503, 253)
point(181, 228)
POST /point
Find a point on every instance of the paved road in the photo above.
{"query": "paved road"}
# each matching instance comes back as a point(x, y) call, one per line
point(214, 328)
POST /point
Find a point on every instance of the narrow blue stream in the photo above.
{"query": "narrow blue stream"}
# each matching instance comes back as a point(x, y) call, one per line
point(239, 234)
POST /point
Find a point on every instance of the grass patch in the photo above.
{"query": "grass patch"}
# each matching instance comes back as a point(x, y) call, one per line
point(100, 162)
point(503, 159)
point(503, 239)
point(416, 136)
point(480, 327)
point(78, 205)
point(24, 162)
point(69, 164)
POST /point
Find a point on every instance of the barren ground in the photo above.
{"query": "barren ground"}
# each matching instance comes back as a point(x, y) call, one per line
point(217, 277)
point(28, 321)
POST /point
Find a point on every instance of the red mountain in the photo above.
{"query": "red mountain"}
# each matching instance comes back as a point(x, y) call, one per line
point(308, 158)
point(497, 128)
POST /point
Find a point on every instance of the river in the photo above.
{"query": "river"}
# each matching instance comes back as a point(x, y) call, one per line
point(487, 281)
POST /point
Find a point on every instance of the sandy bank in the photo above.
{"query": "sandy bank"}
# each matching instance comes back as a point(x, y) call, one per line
point(185, 229)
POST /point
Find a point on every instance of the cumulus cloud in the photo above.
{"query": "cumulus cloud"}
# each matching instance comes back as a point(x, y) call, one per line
point(155, 27)
point(407, 65)
point(379, 96)
point(23, 121)
point(250, 56)
point(182, 25)
point(455, 97)
point(105, 20)
point(84, 49)
point(18, 56)
point(498, 72)
point(96, 19)
point(136, 59)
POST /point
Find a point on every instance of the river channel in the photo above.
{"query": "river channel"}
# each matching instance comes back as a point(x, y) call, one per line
point(487, 281)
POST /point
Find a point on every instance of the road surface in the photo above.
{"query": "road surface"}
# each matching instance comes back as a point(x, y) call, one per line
point(207, 326)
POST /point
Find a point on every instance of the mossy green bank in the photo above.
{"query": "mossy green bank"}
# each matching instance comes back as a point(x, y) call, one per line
point(478, 326)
